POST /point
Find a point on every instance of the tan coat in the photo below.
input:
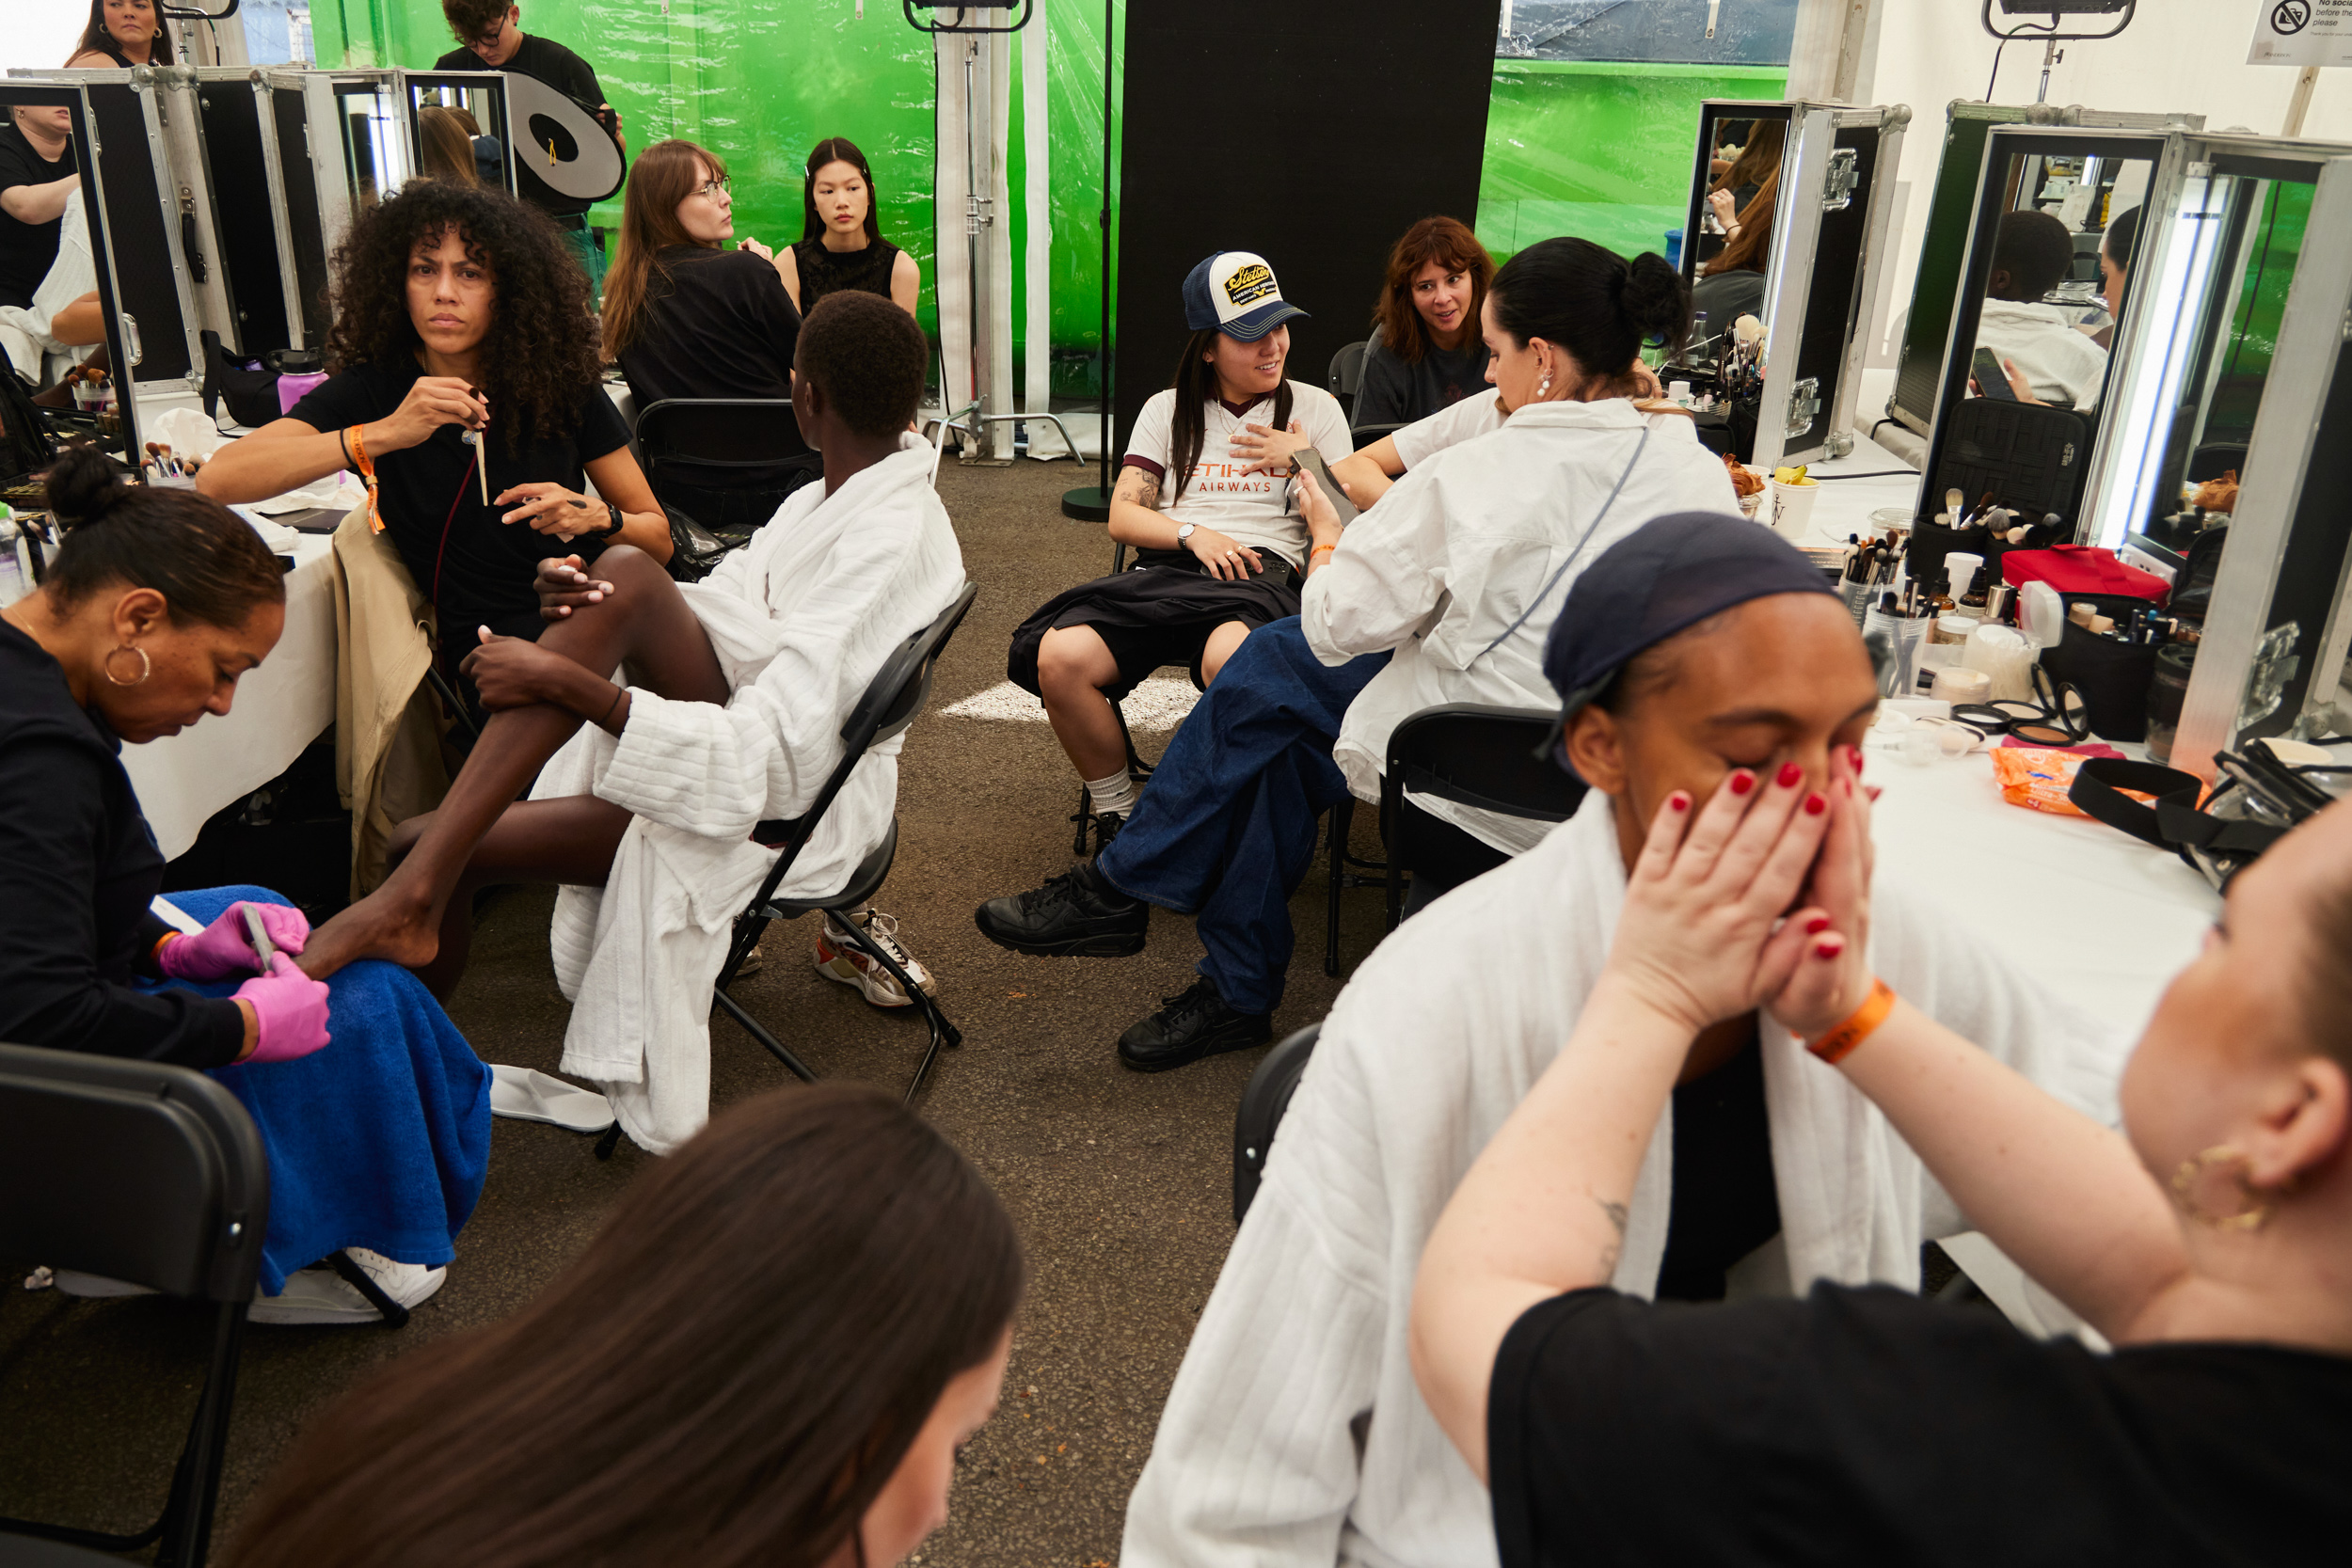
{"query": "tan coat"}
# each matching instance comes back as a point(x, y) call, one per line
point(387, 727)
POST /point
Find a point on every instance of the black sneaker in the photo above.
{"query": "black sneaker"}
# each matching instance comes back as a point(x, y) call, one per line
point(1191, 1026)
point(1106, 826)
point(1075, 915)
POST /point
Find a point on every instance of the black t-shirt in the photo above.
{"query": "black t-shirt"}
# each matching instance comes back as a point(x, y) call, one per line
point(548, 61)
point(721, 327)
point(475, 569)
point(1868, 1426)
point(78, 868)
point(1394, 392)
point(27, 250)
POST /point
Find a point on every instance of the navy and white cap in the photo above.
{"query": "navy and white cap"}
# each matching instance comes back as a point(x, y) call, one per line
point(1234, 292)
point(1662, 579)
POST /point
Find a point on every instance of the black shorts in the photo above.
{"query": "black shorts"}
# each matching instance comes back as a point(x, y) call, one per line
point(1140, 650)
point(1160, 613)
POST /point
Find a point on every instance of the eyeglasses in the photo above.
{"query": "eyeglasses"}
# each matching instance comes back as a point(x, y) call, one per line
point(711, 188)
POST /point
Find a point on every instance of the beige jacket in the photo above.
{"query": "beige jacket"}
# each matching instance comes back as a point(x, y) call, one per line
point(387, 728)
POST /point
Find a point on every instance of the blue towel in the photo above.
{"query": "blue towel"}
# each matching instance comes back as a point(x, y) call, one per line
point(382, 1139)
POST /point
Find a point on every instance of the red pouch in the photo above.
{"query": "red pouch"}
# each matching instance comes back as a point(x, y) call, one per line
point(2083, 569)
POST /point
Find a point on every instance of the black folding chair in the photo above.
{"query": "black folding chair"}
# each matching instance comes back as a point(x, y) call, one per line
point(1466, 752)
point(1137, 768)
point(893, 698)
point(706, 441)
point(1346, 376)
point(1365, 435)
point(1264, 1104)
point(152, 1175)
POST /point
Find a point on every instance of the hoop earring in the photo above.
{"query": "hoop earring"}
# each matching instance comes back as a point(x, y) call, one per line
point(2191, 1188)
point(147, 666)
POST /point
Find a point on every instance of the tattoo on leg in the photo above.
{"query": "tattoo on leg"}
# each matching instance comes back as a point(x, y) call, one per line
point(1610, 1254)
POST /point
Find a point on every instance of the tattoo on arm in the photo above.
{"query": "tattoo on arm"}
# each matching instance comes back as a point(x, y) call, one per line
point(1610, 1254)
point(1137, 486)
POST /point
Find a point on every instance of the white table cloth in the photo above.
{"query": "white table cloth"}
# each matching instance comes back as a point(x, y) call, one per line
point(279, 709)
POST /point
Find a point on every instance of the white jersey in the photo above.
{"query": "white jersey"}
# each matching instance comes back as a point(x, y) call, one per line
point(1253, 509)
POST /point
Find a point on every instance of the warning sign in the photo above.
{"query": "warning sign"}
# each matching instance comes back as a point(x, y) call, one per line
point(2301, 33)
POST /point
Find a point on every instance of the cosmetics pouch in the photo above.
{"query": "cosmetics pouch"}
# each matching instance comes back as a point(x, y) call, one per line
point(2078, 570)
point(2112, 676)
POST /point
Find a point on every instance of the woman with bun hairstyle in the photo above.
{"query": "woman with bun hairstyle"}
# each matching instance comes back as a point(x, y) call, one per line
point(841, 245)
point(769, 1355)
point(158, 601)
point(685, 317)
point(1426, 351)
point(1443, 592)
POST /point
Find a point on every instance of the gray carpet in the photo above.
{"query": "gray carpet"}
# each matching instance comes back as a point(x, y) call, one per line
point(1120, 1182)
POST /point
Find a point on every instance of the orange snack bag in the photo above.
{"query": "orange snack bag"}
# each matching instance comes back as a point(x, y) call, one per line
point(2038, 778)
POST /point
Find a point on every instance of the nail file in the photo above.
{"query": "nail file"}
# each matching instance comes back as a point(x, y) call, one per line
point(264, 948)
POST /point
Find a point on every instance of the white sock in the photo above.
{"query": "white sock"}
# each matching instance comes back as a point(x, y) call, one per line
point(1114, 796)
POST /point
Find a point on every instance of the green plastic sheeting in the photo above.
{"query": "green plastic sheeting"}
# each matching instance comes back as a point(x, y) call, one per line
point(1597, 149)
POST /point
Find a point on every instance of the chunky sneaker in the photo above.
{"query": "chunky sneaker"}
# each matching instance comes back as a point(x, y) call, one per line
point(753, 962)
point(1075, 915)
point(1188, 1026)
point(1106, 826)
point(841, 958)
point(320, 1295)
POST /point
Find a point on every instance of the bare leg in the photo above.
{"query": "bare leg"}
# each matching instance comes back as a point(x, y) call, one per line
point(1073, 664)
point(570, 840)
point(1220, 647)
point(643, 627)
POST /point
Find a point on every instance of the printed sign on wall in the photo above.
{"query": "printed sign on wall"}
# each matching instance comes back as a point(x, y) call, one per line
point(2301, 33)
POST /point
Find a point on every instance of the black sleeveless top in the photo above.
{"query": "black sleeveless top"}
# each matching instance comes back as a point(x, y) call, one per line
point(829, 271)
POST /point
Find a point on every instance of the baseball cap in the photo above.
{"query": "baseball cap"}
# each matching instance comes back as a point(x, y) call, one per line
point(1234, 292)
point(1663, 578)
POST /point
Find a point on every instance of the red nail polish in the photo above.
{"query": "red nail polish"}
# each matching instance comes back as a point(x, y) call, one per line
point(1816, 803)
point(1856, 753)
point(1827, 948)
point(1789, 775)
point(1678, 801)
point(1741, 782)
point(1815, 926)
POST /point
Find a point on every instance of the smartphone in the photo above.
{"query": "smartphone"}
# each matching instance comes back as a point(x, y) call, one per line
point(1312, 460)
point(1991, 381)
point(258, 934)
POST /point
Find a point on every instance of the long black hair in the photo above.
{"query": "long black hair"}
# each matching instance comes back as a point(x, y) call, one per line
point(1195, 388)
point(1591, 301)
point(839, 150)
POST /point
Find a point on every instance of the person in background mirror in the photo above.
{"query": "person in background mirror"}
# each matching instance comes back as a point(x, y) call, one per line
point(1427, 351)
point(688, 318)
point(374, 1111)
point(37, 178)
point(2210, 1241)
point(462, 316)
point(449, 152)
point(2032, 252)
point(1732, 285)
point(120, 35)
point(1203, 499)
point(1733, 186)
point(491, 33)
point(773, 1353)
point(2114, 267)
point(841, 245)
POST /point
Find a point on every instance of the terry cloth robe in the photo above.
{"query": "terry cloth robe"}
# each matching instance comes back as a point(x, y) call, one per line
point(1295, 1435)
point(802, 619)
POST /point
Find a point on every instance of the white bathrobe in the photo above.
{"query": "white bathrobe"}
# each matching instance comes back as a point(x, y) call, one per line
point(802, 619)
point(1295, 1434)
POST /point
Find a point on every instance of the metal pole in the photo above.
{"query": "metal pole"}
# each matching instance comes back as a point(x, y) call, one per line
point(977, 198)
point(1095, 505)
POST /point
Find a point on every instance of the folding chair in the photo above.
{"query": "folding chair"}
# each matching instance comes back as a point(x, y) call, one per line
point(154, 1175)
point(1264, 1103)
point(1139, 769)
point(1365, 435)
point(893, 698)
point(1346, 376)
point(1472, 755)
point(699, 440)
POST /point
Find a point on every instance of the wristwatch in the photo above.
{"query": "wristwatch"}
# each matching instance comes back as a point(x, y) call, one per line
point(1184, 531)
point(609, 529)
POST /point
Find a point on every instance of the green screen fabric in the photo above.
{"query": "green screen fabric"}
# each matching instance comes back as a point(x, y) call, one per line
point(1601, 150)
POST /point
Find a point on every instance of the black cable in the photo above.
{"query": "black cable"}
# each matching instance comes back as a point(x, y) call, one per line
point(1891, 473)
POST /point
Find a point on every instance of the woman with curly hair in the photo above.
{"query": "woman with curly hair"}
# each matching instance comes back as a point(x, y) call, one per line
point(463, 333)
point(1426, 352)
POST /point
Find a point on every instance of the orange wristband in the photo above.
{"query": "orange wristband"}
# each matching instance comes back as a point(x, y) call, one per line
point(367, 474)
point(1833, 1047)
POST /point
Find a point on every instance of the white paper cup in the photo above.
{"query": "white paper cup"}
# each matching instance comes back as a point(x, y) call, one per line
point(1791, 515)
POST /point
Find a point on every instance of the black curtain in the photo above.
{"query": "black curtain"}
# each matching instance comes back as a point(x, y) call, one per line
point(1313, 133)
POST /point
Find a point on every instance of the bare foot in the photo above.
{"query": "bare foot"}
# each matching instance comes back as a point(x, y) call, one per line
point(386, 924)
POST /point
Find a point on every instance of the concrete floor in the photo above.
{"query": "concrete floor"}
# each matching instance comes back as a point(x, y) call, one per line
point(1120, 1182)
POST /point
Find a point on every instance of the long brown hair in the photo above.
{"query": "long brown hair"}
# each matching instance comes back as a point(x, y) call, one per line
point(839, 150)
point(95, 40)
point(448, 147)
point(1451, 244)
point(665, 174)
point(1767, 140)
point(1197, 387)
point(1748, 250)
point(727, 1377)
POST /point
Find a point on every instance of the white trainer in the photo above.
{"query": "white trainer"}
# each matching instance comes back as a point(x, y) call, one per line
point(320, 1295)
point(840, 958)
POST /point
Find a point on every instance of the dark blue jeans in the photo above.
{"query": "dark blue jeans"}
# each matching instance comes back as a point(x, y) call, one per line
point(1226, 827)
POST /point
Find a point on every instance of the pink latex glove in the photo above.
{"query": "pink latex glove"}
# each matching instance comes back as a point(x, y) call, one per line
point(222, 948)
point(290, 1009)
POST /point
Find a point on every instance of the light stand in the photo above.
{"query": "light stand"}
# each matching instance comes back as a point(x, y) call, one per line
point(1093, 503)
point(2050, 32)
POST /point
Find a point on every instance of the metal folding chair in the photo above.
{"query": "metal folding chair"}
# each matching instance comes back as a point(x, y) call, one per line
point(701, 440)
point(1083, 817)
point(893, 698)
point(154, 1175)
point(1264, 1104)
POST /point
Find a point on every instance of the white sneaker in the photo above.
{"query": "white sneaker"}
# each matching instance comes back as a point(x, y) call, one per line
point(840, 958)
point(320, 1295)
